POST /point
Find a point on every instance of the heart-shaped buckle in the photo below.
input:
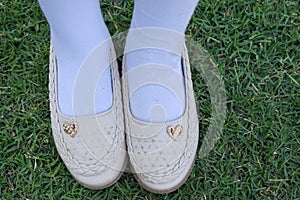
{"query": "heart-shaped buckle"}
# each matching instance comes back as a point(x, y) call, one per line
point(174, 133)
point(71, 129)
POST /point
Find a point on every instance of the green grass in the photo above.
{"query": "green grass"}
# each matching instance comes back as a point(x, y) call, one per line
point(256, 47)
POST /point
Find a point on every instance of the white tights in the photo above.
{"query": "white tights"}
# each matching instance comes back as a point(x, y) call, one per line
point(77, 27)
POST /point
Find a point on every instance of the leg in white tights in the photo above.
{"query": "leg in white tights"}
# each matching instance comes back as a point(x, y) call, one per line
point(154, 102)
point(77, 27)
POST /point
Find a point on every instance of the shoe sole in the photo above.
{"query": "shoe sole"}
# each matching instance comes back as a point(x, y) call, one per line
point(107, 185)
point(176, 187)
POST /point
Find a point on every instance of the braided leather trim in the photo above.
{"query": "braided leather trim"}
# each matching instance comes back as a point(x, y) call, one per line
point(94, 166)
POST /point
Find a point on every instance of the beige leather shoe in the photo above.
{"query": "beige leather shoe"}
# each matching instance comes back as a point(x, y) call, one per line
point(161, 154)
point(92, 148)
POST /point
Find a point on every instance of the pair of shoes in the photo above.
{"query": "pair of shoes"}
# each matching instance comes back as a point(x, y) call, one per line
point(94, 150)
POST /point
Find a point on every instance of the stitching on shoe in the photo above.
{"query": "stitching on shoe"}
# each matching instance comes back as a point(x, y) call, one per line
point(172, 172)
point(73, 163)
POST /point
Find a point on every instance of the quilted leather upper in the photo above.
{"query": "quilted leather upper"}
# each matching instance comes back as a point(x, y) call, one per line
point(99, 143)
point(154, 155)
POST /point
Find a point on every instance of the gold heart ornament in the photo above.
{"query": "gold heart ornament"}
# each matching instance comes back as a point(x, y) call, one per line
point(174, 133)
point(71, 129)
